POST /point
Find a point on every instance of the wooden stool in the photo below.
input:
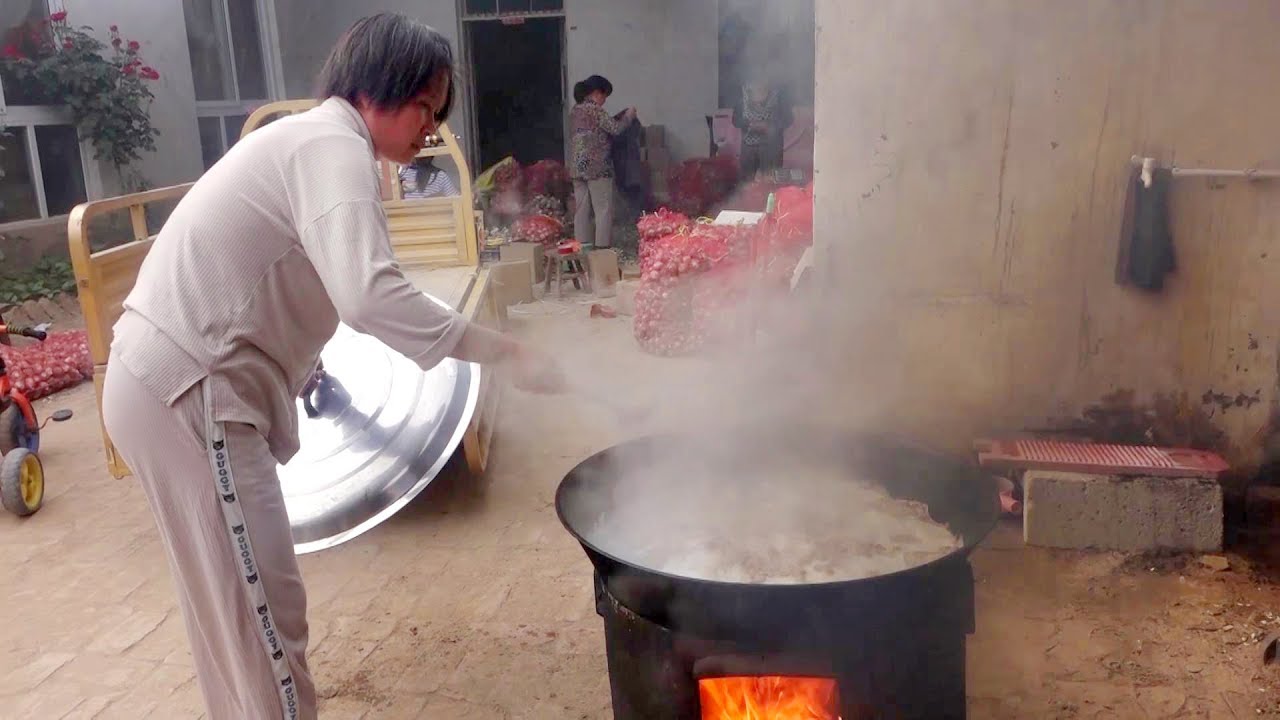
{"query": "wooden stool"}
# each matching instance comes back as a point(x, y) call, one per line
point(556, 262)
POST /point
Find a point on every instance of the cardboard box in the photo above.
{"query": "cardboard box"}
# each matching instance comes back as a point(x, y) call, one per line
point(602, 265)
point(528, 252)
point(512, 283)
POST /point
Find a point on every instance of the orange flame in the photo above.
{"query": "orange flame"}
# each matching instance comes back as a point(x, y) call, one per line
point(768, 698)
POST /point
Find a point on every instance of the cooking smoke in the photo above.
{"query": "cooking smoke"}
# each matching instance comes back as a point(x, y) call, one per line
point(718, 502)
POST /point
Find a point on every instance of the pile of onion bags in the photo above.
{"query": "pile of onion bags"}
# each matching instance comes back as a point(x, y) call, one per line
point(782, 238)
point(675, 307)
point(696, 185)
point(508, 189)
point(547, 177)
point(40, 369)
point(540, 229)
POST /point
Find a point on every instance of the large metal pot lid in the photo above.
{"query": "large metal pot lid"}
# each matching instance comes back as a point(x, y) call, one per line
point(384, 431)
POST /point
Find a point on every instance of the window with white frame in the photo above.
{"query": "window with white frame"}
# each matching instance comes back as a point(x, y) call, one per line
point(235, 65)
point(42, 160)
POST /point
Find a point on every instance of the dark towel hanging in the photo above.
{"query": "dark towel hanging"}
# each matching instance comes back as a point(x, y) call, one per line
point(1146, 242)
point(632, 178)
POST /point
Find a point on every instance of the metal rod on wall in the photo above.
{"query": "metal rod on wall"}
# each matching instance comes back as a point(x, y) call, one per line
point(1149, 164)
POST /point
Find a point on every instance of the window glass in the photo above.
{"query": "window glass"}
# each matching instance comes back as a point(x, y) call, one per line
point(60, 168)
point(234, 124)
point(210, 140)
point(246, 46)
point(18, 199)
point(210, 60)
point(481, 7)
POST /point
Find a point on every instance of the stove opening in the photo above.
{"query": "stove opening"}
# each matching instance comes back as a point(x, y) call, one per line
point(769, 697)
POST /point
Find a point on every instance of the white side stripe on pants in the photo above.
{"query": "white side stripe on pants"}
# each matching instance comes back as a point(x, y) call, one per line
point(238, 533)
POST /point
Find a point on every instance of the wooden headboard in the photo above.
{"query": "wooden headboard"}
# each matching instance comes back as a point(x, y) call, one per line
point(435, 232)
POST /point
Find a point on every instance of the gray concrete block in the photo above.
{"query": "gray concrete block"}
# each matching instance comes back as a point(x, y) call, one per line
point(1102, 512)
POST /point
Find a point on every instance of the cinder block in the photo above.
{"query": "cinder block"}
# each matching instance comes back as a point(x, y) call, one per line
point(1102, 512)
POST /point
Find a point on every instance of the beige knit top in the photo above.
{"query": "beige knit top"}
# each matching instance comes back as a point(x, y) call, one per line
point(248, 279)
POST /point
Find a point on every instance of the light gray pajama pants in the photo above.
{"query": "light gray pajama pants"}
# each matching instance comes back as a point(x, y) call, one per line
point(593, 219)
point(217, 501)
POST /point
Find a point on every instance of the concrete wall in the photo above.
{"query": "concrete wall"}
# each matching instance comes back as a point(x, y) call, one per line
point(309, 28)
point(661, 56)
point(158, 25)
point(971, 172)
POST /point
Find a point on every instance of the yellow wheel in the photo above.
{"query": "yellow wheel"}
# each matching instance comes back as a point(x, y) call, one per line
point(21, 482)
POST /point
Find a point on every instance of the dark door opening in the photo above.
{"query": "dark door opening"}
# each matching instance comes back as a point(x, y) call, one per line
point(519, 88)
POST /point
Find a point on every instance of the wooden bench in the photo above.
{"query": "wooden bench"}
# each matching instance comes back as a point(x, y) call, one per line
point(435, 241)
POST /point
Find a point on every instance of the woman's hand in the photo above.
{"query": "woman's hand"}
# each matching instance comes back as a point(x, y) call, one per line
point(313, 381)
point(529, 369)
point(536, 372)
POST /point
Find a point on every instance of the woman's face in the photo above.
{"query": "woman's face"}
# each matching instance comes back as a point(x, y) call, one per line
point(399, 134)
point(598, 97)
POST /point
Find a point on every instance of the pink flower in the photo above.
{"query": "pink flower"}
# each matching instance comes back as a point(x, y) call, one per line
point(11, 51)
point(133, 45)
point(117, 42)
point(128, 69)
point(115, 28)
point(58, 16)
point(67, 45)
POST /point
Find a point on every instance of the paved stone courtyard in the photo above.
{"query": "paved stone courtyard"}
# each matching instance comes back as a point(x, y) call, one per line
point(474, 604)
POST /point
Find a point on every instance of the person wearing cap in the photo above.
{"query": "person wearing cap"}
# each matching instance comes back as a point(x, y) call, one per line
point(592, 130)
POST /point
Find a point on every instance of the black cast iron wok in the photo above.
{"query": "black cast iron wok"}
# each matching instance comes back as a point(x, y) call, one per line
point(957, 493)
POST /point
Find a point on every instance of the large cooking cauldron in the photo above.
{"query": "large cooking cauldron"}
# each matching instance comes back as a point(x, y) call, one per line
point(780, 616)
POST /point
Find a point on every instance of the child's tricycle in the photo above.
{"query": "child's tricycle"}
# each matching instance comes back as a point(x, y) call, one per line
point(21, 474)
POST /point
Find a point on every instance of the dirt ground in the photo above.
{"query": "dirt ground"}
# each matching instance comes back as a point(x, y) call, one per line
point(474, 604)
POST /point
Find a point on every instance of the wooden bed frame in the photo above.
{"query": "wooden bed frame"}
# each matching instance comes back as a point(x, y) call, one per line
point(427, 235)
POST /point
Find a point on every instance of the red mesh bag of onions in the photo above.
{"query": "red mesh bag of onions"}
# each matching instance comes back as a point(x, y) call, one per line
point(40, 369)
point(679, 294)
point(547, 177)
point(537, 229)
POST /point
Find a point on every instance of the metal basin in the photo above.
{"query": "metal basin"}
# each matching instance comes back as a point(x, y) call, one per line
point(384, 430)
point(958, 495)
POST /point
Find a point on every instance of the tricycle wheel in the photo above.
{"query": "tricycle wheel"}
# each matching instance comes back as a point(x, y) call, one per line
point(14, 432)
point(21, 482)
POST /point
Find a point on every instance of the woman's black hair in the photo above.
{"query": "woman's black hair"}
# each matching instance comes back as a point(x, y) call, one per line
point(579, 92)
point(388, 59)
point(596, 82)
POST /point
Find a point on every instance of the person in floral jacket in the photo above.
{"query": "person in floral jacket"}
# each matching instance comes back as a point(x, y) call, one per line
point(592, 132)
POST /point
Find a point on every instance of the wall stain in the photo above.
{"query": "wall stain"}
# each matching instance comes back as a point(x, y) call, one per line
point(1167, 420)
point(1004, 166)
point(1225, 402)
point(1097, 150)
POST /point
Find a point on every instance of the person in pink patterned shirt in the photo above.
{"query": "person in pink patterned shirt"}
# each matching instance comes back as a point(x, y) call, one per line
point(592, 132)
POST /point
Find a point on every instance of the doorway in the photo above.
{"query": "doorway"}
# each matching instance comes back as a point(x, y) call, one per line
point(518, 86)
